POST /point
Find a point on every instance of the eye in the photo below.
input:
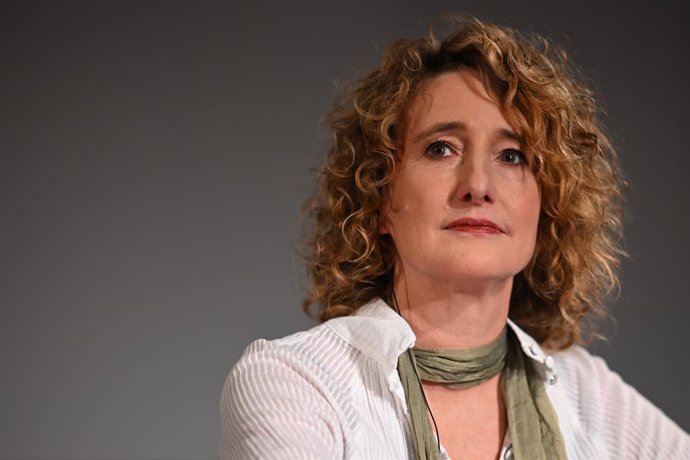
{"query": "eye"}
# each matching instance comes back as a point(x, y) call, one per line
point(512, 157)
point(439, 149)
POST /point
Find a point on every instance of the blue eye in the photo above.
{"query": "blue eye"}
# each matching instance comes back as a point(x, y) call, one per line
point(438, 149)
point(513, 157)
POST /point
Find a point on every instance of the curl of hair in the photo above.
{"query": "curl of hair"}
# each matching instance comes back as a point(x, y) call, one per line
point(574, 266)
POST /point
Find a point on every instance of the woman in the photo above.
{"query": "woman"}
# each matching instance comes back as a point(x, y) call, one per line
point(466, 221)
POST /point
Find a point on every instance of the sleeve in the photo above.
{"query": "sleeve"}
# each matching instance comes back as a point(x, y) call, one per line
point(633, 428)
point(275, 406)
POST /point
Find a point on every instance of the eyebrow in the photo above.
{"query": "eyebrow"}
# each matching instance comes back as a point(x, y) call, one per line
point(456, 126)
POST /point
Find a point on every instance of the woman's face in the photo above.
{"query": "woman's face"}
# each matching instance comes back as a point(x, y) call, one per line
point(464, 204)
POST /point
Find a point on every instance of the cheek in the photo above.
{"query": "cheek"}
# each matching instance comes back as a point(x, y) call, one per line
point(524, 202)
point(413, 206)
point(408, 195)
point(531, 209)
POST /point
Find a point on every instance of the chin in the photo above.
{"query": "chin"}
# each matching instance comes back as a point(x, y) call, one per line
point(484, 274)
point(481, 268)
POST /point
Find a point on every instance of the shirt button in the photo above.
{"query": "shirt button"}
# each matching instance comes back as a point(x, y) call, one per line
point(553, 378)
point(508, 454)
point(549, 362)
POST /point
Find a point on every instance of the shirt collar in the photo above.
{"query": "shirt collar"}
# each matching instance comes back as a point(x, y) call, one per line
point(377, 331)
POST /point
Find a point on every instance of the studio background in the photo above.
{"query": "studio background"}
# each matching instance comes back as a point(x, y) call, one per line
point(154, 157)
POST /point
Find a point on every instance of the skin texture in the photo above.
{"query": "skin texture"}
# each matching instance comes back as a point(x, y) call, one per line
point(460, 159)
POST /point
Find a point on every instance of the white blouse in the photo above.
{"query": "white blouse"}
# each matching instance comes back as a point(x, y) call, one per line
point(333, 392)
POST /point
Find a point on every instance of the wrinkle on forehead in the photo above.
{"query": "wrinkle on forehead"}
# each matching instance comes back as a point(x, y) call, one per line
point(424, 107)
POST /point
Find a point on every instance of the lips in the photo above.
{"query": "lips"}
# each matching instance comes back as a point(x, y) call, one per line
point(470, 225)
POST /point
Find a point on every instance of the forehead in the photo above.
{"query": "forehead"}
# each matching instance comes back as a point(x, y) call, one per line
point(454, 96)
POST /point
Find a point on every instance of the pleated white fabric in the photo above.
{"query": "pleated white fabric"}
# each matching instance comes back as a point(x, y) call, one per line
point(333, 392)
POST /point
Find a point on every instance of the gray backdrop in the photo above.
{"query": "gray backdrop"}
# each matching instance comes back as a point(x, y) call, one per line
point(153, 160)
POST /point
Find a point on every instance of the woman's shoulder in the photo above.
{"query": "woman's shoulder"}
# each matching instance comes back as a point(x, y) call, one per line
point(293, 397)
point(333, 351)
point(582, 367)
point(372, 333)
point(315, 350)
point(605, 404)
point(592, 384)
point(282, 393)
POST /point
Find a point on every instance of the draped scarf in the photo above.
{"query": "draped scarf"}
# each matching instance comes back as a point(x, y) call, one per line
point(532, 421)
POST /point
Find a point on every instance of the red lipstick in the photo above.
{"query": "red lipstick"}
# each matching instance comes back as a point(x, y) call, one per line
point(470, 225)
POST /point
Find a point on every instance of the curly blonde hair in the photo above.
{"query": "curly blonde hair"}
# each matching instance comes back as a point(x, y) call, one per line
point(578, 240)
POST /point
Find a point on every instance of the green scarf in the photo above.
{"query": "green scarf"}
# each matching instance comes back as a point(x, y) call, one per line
point(532, 421)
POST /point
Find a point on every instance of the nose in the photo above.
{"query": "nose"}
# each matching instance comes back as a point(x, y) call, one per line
point(474, 180)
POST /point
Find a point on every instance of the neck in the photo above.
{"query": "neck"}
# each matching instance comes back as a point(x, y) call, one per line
point(461, 315)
